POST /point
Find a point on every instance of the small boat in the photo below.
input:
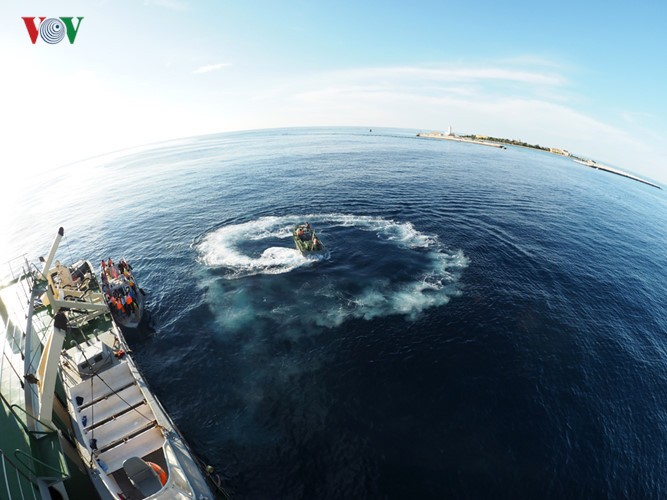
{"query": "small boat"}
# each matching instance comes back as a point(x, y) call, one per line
point(128, 443)
point(306, 240)
point(123, 295)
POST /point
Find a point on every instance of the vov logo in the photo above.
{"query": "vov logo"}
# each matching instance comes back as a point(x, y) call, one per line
point(53, 29)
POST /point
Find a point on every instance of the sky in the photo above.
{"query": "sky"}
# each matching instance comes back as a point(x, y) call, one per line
point(588, 77)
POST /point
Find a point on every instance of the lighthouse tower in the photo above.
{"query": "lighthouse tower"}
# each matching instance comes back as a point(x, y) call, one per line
point(449, 131)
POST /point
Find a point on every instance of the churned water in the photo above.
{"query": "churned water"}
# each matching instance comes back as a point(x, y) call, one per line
point(485, 323)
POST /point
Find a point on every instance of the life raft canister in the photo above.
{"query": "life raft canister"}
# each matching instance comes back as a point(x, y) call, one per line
point(160, 472)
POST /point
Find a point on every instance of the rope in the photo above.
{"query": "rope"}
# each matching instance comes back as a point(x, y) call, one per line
point(113, 391)
point(209, 470)
point(120, 397)
point(69, 250)
point(92, 406)
point(92, 418)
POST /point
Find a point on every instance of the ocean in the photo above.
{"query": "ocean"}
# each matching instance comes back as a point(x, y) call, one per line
point(484, 323)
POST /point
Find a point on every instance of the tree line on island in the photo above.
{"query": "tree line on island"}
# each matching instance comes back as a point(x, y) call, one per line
point(515, 142)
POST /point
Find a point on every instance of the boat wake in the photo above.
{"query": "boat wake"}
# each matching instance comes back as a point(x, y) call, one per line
point(375, 267)
point(241, 250)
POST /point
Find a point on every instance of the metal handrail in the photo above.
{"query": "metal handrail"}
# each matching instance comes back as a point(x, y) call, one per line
point(31, 480)
point(28, 414)
point(61, 477)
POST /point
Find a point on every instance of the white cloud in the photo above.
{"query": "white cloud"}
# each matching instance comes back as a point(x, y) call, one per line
point(210, 67)
point(176, 5)
point(99, 115)
point(485, 74)
point(535, 107)
point(635, 117)
point(453, 74)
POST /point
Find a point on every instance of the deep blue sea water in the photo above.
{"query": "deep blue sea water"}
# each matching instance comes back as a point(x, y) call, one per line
point(485, 324)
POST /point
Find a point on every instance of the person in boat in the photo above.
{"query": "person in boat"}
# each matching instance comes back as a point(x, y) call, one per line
point(316, 243)
point(300, 233)
point(133, 304)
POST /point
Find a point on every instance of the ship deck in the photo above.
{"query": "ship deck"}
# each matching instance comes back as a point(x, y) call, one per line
point(29, 461)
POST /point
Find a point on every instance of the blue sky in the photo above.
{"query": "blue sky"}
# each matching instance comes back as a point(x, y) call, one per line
point(584, 76)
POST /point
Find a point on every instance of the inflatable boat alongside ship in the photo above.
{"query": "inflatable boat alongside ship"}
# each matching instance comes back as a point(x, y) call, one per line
point(128, 444)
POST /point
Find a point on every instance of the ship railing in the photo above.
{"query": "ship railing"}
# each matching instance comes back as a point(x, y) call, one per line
point(60, 469)
point(50, 447)
point(15, 270)
point(13, 335)
point(10, 269)
point(23, 276)
point(23, 282)
point(60, 474)
point(15, 482)
point(50, 430)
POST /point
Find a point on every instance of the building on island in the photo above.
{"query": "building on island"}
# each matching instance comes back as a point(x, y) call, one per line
point(558, 151)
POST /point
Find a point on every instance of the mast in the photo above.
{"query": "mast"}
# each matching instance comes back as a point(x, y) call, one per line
point(52, 253)
point(32, 401)
point(47, 372)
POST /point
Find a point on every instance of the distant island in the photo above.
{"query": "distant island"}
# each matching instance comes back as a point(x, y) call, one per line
point(501, 143)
